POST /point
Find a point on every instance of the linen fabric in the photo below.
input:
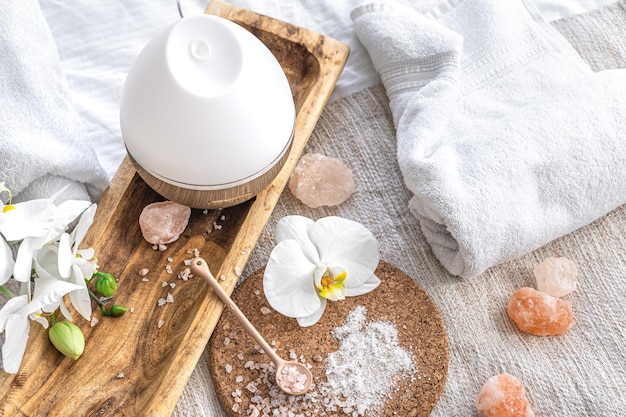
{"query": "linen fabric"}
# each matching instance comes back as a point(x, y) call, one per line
point(582, 373)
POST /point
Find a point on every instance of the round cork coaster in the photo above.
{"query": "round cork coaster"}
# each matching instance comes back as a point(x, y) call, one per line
point(244, 379)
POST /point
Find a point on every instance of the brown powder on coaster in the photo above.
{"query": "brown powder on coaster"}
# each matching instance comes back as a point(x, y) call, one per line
point(380, 354)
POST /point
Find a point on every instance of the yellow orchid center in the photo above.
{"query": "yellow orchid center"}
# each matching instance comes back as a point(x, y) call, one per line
point(331, 284)
point(9, 206)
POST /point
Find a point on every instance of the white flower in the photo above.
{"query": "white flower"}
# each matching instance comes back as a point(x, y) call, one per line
point(313, 262)
point(16, 314)
point(35, 223)
point(66, 262)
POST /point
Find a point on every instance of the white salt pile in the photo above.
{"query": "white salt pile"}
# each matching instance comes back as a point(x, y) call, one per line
point(360, 375)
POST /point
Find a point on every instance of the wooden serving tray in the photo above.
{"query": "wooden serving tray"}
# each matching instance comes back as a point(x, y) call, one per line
point(131, 365)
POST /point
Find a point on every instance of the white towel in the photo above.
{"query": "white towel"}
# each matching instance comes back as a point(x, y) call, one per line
point(42, 139)
point(505, 136)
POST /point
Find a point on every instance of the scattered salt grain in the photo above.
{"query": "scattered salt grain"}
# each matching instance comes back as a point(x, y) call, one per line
point(120, 375)
point(168, 269)
point(229, 368)
point(187, 262)
point(170, 298)
point(160, 323)
point(164, 284)
point(172, 285)
point(205, 211)
point(162, 247)
point(161, 302)
point(223, 277)
point(265, 310)
point(132, 309)
point(143, 272)
point(145, 279)
point(239, 378)
point(226, 341)
point(94, 321)
point(237, 271)
point(217, 226)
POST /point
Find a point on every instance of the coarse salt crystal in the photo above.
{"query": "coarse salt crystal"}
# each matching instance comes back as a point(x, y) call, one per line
point(164, 284)
point(170, 298)
point(145, 279)
point(161, 302)
point(265, 310)
point(172, 285)
point(187, 262)
point(160, 323)
point(94, 321)
point(229, 368)
point(223, 277)
point(143, 272)
point(162, 247)
point(239, 378)
point(226, 341)
point(237, 271)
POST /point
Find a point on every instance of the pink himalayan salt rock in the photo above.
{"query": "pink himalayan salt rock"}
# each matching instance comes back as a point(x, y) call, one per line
point(503, 396)
point(539, 313)
point(319, 180)
point(163, 222)
point(556, 276)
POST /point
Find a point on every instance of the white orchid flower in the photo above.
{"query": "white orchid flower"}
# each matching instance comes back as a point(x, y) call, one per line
point(314, 262)
point(66, 262)
point(35, 223)
point(16, 314)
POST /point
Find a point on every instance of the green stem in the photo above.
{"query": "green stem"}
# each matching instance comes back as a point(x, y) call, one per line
point(97, 299)
point(4, 290)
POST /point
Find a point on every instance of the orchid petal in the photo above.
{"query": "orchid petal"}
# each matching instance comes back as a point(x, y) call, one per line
point(66, 312)
point(24, 260)
point(288, 281)
point(347, 244)
point(10, 309)
point(86, 220)
point(297, 228)
point(31, 218)
point(6, 261)
point(16, 333)
point(40, 319)
point(49, 292)
point(310, 320)
point(364, 288)
point(65, 256)
point(80, 298)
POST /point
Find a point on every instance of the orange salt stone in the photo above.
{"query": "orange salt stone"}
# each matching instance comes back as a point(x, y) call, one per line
point(503, 396)
point(539, 313)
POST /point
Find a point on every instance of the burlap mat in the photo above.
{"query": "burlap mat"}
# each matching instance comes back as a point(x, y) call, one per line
point(582, 373)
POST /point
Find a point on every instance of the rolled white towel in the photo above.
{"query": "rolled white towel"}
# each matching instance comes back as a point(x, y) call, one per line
point(505, 136)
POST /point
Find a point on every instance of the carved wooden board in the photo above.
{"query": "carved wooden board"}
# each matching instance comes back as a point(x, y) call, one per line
point(138, 364)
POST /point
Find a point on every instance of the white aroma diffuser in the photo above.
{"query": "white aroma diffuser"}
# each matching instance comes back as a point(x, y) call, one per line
point(207, 114)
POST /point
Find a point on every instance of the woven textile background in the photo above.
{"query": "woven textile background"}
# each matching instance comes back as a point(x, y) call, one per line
point(582, 373)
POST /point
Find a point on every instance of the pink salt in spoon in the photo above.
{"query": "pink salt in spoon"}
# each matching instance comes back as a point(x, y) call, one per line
point(291, 377)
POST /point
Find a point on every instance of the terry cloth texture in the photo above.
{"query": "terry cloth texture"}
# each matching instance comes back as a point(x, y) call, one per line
point(582, 373)
point(505, 136)
point(43, 143)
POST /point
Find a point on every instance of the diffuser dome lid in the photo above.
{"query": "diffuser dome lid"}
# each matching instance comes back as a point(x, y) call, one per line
point(206, 105)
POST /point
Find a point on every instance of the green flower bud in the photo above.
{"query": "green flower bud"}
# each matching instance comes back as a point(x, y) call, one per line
point(105, 283)
point(115, 311)
point(67, 338)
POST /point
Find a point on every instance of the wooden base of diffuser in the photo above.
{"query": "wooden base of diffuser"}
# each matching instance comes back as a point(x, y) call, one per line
point(216, 198)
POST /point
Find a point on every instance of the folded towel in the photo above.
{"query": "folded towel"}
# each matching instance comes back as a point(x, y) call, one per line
point(42, 139)
point(505, 136)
